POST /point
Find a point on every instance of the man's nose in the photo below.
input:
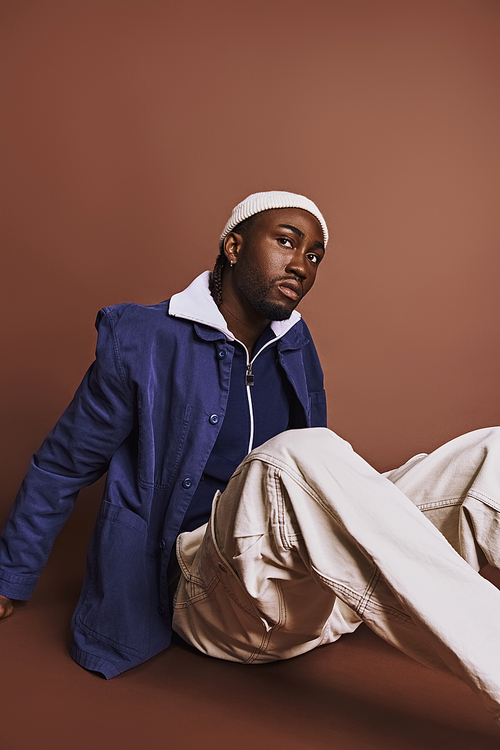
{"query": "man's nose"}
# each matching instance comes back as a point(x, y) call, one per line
point(297, 265)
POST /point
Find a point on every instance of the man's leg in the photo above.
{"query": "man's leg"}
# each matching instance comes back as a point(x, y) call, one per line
point(457, 487)
point(306, 527)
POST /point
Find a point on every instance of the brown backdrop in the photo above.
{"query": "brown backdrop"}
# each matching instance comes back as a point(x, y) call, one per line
point(131, 127)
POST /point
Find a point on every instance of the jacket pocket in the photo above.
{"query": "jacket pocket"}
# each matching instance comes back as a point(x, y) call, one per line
point(115, 606)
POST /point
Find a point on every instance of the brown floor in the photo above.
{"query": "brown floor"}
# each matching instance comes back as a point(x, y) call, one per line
point(357, 694)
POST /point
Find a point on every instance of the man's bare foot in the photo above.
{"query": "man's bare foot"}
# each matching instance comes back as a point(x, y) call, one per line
point(6, 607)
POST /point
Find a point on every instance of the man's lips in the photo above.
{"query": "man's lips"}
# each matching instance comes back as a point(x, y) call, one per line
point(290, 288)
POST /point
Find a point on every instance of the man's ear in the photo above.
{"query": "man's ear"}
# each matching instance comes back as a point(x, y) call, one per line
point(232, 247)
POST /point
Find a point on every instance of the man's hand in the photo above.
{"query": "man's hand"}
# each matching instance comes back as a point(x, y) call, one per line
point(6, 607)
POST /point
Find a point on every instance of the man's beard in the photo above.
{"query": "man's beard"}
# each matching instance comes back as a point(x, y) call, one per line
point(257, 295)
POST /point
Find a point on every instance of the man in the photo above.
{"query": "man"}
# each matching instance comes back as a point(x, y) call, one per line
point(306, 540)
point(169, 410)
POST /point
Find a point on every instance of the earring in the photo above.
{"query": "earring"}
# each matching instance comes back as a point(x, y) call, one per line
point(231, 263)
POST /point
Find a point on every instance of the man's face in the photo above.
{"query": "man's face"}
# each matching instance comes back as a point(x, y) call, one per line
point(277, 261)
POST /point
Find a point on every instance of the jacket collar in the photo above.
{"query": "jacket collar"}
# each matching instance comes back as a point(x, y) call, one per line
point(197, 304)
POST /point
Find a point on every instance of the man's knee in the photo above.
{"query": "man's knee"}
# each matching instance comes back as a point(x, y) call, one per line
point(491, 436)
point(301, 445)
point(486, 439)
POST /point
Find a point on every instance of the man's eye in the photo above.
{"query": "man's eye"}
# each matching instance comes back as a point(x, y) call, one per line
point(285, 241)
point(313, 258)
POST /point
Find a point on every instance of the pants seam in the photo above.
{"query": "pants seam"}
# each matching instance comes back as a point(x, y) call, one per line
point(185, 570)
point(364, 602)
point(483, 499)
point(197, 597)
point(447, 502)
point(264, 645)
point(285, 542)
point(365, 599)
point(234, 598)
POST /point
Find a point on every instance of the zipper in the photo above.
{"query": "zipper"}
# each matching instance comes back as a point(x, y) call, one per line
point(249, 381)
point(249, 378)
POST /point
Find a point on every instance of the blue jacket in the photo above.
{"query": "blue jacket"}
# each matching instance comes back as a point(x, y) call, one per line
point(143, 413)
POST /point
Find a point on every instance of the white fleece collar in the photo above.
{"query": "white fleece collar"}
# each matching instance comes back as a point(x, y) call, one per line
point(197, 304)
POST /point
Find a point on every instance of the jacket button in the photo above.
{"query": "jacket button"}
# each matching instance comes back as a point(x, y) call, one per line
point(187, 482)
point(161, 610)
point(213, 419)
point(161, 544)
point(222, 353)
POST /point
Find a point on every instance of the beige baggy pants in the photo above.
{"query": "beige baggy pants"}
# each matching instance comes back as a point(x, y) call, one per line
point(308, 540)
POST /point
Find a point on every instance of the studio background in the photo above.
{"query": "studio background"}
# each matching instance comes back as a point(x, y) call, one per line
point(129, 130)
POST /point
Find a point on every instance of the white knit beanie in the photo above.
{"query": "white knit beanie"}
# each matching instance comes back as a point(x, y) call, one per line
point(258, 202)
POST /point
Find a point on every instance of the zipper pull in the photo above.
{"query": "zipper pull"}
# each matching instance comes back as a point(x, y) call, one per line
point(249, 375)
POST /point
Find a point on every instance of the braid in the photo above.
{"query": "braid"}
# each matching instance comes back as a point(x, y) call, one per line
point(215, 282)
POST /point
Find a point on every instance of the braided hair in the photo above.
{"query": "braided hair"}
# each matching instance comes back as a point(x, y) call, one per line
point(215, 280)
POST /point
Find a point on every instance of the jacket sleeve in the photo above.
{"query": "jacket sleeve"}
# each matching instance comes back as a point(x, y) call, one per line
point(315, 385)
point(74, 454)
